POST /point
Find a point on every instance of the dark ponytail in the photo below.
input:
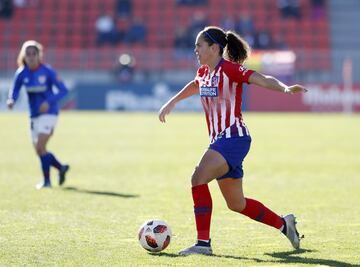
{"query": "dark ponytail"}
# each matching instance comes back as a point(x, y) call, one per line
point(237, 49)
point(232, 46)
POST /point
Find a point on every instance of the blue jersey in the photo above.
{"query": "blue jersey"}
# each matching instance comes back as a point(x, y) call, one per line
point(39, 87)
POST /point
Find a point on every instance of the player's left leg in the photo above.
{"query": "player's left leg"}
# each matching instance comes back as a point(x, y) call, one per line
point(42, 131)
point(232, 191)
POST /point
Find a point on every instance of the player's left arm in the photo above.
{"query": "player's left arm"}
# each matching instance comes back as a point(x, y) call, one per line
point(63, 90)
point(269, 82)
point(44, 107)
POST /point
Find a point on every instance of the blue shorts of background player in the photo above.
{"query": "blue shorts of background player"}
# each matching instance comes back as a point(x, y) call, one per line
point(234, 150)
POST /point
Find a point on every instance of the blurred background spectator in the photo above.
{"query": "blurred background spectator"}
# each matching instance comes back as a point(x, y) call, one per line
point(318, 9)
point(290, 8)
point(20, 3)
point(182, 39)
point(6, 9)
point(123, 8)
point(136, 32)
point(25, 3)
point(278, 42)
point(197, 23)
point(124, 69)
point(106, 30)
point(244, 25)
point(192, 2)
point(263, 40)
point(228, 23)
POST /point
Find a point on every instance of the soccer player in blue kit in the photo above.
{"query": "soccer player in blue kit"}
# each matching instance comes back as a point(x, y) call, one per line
point(38, 80)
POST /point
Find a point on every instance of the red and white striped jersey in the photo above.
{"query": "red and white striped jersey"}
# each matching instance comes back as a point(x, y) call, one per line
point(221, 97)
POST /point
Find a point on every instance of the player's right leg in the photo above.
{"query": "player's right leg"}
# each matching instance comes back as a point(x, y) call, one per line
point(211, 166)
point(200, 247)
point(45, 160)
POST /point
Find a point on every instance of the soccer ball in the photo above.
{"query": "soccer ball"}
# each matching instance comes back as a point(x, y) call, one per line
point(154, 235)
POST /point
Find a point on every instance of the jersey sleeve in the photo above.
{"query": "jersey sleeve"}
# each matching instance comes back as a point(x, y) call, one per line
point(18, 82)
point(240, 73)
point(59, 84)
point(200, 73)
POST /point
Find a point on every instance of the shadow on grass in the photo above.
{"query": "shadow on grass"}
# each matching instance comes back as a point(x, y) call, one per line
point(292, 257)
point(285, 258)
point(239, 258)
point(174, 255)
point(102, 193)
point(164, 254)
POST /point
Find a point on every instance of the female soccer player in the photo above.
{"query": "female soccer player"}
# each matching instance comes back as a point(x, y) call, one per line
point(38, 80)
point(219, 82)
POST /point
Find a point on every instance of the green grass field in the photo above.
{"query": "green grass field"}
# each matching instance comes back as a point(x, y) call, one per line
point(128, 167)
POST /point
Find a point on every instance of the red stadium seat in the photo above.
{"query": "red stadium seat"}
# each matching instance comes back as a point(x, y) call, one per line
point(71, 24)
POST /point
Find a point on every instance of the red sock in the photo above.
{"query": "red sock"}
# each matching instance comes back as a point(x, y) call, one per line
point(258, 212)
point(202, 209)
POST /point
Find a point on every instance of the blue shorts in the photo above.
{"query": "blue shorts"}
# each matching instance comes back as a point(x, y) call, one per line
point(234, 151)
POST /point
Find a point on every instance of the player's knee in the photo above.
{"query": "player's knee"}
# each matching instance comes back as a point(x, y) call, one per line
point(236, 206)
point(196, 178)
point(40, 150)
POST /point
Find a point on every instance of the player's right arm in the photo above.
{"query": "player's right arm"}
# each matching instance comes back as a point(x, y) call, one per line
point(14, 91)
point(190, 89)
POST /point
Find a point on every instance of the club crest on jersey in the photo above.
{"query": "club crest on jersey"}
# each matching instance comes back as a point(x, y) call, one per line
point(209, 91)
point(42, 79)
point(215, 81)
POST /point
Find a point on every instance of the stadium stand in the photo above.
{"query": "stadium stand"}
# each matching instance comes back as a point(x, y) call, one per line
point(68, 28)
